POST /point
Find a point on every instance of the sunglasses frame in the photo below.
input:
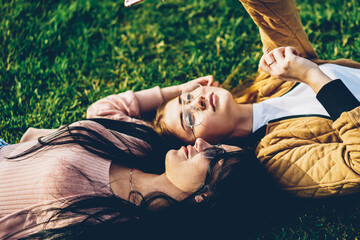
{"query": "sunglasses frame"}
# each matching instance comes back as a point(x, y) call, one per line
point(212, 147)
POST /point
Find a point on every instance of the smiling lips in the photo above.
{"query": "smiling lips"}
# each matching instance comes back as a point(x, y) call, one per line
point(185, 151)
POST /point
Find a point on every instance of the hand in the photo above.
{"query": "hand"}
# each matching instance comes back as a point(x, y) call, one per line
point(171, 92)
point(204, 81)
point(286, 64)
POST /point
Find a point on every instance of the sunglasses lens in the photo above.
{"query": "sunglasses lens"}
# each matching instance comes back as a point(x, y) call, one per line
point(212, 152)
point(192, 116)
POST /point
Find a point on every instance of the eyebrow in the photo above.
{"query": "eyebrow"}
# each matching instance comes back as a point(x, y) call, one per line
point(181, 116)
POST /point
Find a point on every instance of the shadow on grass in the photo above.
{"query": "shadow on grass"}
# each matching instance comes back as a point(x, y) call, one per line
point(298, 218)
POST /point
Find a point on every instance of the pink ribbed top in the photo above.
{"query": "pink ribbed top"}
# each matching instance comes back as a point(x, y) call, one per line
point(51, 176)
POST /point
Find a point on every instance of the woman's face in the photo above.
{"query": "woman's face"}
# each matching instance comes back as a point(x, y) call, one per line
point(186, 168)
point(217, 105)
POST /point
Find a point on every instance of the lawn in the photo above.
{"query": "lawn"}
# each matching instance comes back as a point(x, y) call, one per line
point(57, 57)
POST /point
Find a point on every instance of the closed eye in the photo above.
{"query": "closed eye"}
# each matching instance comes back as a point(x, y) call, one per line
point(181, 115)
point(179, 98)
point(190, 119)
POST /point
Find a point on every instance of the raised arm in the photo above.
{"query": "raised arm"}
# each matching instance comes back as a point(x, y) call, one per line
point(126, 105)
point(129, 105)
point(279, 25)
point(285, 63)
point(322, 155)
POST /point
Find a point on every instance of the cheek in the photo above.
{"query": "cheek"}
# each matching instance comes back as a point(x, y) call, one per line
point(201, 170)
point(170, 162)
point(188, 176)
point(175, 129)
point(193, 178)
point(213, 129)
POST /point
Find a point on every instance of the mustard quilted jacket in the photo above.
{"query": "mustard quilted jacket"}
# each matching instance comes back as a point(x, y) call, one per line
point(309, 156)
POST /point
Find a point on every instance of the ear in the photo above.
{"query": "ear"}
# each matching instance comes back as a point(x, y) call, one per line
point(201, 197)
point(221, 162)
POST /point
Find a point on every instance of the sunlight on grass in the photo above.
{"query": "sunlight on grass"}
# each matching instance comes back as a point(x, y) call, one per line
point(57, 57)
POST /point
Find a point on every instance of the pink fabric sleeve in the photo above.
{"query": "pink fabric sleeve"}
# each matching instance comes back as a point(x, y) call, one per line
point(126, 105)
point(35, 133)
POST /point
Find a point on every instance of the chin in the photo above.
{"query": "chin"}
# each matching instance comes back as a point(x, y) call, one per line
point(225, 98)
point(169, 154)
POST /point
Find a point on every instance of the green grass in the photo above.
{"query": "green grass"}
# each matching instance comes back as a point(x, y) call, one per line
point(57, 57)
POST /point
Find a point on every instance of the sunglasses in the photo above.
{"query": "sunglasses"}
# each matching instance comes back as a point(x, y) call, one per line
point(212, 152)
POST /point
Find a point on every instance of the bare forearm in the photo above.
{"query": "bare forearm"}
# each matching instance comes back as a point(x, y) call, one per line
point(152, 98)
point(316, 79)
point(171, 92)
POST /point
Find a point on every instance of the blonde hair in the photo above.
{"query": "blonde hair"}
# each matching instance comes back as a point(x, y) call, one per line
point(248, 92)
point(263, 87)
point(162, 129)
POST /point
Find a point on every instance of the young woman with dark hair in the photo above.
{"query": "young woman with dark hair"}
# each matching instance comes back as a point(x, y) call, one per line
point(84, 182)
point(100, 177)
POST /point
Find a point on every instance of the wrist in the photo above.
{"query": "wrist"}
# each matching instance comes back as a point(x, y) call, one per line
point(316, 79)
point(171, 92)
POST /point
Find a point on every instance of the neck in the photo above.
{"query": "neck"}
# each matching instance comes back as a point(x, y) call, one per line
point(244, 121)
point(141, 182)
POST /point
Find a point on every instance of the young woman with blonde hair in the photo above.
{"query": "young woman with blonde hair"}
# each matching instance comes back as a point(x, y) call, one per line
point(301, 115)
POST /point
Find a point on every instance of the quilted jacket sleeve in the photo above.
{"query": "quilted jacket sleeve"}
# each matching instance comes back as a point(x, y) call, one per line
point(279, 24)
point(339, 101)
point(313, 156)
point(348, 126)
point(126, 106)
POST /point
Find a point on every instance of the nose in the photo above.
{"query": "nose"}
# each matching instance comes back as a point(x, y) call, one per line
point(201, 144)
point(199, 102)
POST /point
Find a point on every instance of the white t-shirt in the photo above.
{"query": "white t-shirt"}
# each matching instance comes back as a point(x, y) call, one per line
point(302, 99)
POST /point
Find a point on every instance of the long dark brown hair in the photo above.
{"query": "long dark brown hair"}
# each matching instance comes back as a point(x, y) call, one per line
point(228, 186)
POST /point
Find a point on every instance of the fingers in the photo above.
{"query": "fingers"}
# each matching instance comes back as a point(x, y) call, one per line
point(278, 55)
point(210, 80)
point(264, 66)
point(215, 84)
point(266, 50)
point(269, 57)
point(267, 60)
point(206, 81)
point(291, 51)
point(286, 65)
